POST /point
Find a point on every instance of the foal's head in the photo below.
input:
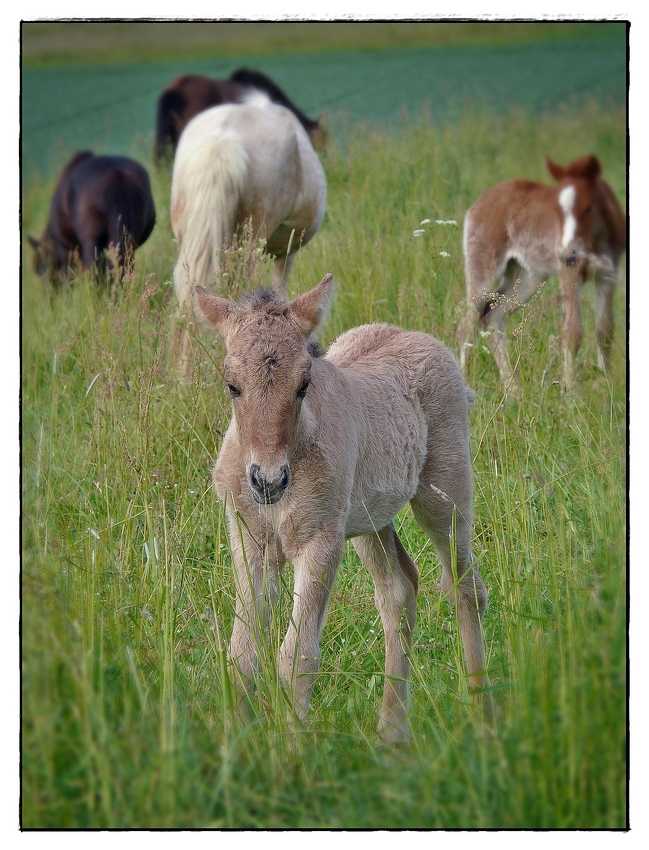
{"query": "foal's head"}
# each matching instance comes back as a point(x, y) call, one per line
point(593, 218)
point(267, 371)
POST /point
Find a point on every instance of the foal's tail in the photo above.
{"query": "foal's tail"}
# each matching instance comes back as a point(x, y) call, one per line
point(208, 180)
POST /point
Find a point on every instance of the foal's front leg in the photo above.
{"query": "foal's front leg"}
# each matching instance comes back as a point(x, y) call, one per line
point(257, 564)
point(315, 572)
point(571, 278)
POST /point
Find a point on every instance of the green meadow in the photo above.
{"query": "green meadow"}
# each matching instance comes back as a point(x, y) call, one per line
point(127, 587)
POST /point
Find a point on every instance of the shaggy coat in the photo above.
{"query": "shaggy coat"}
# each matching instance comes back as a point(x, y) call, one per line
point(321, 449)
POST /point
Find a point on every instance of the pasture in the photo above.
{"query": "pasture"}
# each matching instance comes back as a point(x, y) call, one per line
point(127, 587)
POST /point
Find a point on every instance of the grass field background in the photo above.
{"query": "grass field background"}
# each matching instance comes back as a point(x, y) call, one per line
point(110, 107)
point(127, 591)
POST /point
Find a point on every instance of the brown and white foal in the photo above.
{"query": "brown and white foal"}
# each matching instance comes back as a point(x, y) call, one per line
point(519, 232)
point(321, 449)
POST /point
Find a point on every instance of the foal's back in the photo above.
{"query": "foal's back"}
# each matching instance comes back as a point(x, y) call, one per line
point(412, 365)
point(408, 409)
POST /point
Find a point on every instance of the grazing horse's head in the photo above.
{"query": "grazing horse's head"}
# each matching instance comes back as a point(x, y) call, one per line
point(45, 258)
point(267, 371)
point(593, 220)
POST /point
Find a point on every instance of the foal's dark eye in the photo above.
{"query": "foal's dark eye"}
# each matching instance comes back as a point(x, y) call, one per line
point(234, 392)
point(302, 391)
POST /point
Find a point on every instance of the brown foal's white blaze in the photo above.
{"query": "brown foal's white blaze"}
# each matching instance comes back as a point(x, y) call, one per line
point(519, 232)
point(320, 449)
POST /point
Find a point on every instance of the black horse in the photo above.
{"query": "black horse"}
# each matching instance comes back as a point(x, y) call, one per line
point(186, 96)
point(99, 202)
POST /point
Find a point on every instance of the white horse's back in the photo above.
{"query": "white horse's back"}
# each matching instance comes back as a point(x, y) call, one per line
point(234, 163)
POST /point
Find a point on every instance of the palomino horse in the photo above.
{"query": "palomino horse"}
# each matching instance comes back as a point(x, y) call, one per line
point(518, 232)
point(234, 163)
point(188, 95)
point(99, 202)
point(321, 449)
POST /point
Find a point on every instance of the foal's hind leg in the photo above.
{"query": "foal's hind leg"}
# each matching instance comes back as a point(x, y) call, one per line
point(395, 582)
point(605, 282)
point(445, 489)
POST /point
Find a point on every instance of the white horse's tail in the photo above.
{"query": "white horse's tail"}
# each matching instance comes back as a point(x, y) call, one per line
point(208, 179)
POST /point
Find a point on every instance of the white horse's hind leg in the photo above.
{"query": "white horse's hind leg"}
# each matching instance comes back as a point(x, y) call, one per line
point(395, 582)
point(181, 343)
point(281, 268)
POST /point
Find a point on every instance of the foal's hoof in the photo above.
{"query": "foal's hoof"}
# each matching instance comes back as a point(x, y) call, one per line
point(394, 735)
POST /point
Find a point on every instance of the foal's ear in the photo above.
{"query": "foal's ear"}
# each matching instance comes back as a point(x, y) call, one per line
point(557, 171)
point(216, 311)
point(35, 243)
point(310, 310)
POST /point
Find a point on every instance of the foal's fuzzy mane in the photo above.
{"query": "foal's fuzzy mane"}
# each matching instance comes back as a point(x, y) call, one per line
point(274, 304)
point(266, 299)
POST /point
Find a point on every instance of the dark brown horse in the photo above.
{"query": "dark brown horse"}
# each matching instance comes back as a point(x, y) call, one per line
point(186, 96)
point(99, 202)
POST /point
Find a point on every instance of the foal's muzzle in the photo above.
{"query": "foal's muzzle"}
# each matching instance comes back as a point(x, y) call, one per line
point(268, 489)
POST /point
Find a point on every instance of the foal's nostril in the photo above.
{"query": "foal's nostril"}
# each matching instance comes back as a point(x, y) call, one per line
point(254, 476)
point(285, 477)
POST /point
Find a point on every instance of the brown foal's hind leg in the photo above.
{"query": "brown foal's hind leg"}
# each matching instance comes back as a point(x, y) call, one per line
point(605, 283)
point(395, 582)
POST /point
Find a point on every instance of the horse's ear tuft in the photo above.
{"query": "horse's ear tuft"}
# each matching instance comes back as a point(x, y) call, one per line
point(310, 310)
point(557, 171)
point(215, 310)
point(588, 167)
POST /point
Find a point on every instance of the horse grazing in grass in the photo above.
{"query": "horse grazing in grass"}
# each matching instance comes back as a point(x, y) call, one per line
point(190, 94)
point(235, 163)
point(321, 449)
point(99, 203)
point(519, 232)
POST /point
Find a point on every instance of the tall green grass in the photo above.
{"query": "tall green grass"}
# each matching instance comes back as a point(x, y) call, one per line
point(127, 587)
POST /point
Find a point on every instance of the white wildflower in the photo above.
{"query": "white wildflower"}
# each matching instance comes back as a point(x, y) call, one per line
point(446, 221)
point(444, 254)
point(425, 221)
point(94, 533)
point(417, 232)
